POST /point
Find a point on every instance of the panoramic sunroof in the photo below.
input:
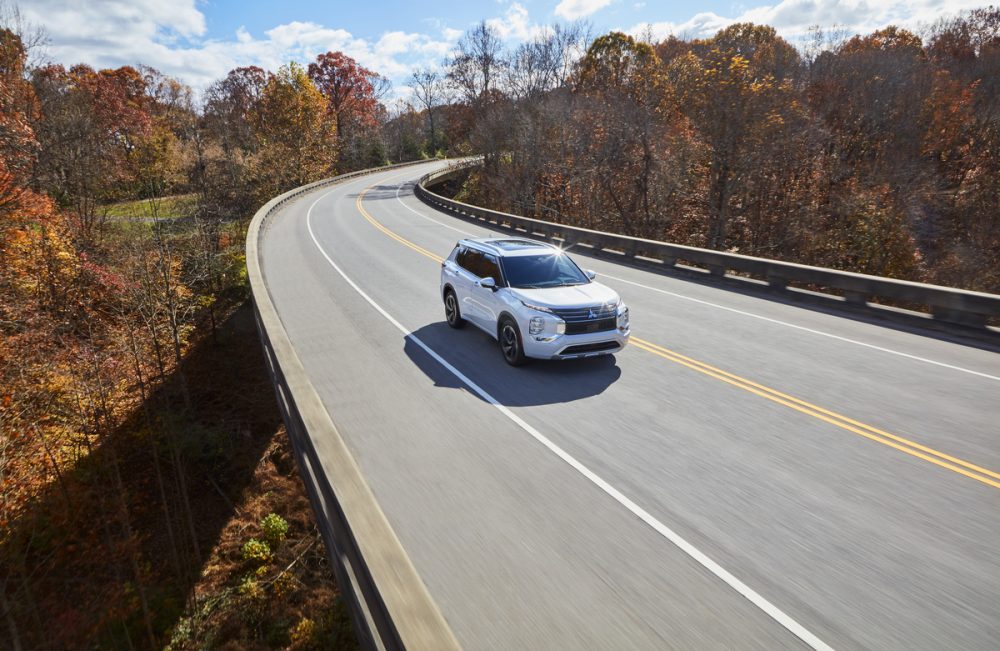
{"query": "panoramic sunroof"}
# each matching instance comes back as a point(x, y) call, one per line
point(514, 245)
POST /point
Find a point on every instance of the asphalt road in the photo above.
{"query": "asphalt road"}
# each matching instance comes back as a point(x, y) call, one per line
point(750, 474)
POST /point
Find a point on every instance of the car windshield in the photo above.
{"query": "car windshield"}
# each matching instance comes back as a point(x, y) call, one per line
point(536, 271)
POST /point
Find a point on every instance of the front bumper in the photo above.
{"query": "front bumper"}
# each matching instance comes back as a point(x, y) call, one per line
point(593, 344)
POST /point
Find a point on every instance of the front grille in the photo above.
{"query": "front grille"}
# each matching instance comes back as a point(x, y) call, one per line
point(577, 314)
point(585, 327)
point(589, 348)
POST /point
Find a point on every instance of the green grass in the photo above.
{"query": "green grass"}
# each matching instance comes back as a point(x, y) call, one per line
point(172, 207)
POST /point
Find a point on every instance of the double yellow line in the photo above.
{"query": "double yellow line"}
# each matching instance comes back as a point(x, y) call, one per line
point(402, 240)
point(904, 445)
point(912, 448)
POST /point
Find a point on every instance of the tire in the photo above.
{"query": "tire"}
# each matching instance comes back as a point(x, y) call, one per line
point(509, 337)
point(452, 313)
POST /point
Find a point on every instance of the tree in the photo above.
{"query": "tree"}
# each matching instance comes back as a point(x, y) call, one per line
point(738, 92)
point(228, 107)
point(352, 93)
point(90, 126)
point(430, 92)
point(475, 72)
point(476, 68)
point(18, 107)
point(295, 132)
point(545, 63)
point(624, 82)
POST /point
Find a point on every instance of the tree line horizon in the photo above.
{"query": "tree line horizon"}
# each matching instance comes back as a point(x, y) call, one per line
point(873, 153)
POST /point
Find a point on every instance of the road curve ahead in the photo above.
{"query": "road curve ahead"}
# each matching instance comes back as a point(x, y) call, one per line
point(749, 474)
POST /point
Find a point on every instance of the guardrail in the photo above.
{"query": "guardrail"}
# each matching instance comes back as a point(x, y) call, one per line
point(390, 604)
point(944, 304)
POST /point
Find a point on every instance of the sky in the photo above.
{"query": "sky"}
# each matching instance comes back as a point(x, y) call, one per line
point(199, 41)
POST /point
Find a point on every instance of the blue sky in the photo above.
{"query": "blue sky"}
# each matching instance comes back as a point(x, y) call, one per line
point(371, 19)
point(199, 41)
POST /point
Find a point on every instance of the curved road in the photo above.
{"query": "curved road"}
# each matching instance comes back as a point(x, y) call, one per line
point(749, 474)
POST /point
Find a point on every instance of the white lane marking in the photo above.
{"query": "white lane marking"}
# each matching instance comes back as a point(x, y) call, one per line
point(755, 598)
point(749, 314)
point(431, 219)
point(810, 330)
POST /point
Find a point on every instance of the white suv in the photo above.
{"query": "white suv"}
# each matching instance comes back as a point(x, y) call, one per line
point(533, 299)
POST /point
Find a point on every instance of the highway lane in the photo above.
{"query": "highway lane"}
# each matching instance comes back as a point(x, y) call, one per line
point(860, 543)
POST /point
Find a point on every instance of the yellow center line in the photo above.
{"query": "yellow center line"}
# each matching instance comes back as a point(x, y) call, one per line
point(772, 395)
point(401, 240)
point(821, 410)
point(899, 443)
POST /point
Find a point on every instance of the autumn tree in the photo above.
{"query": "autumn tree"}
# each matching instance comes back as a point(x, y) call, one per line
point(295, 132)
point(352, 93)
point(18, 108)
point(90, 125)
point(961, 235)
point(738, 90)
point(637, 138)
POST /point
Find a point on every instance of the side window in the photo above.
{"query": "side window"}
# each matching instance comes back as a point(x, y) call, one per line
point(471, 261)
point(491, 269)
point(462, 258)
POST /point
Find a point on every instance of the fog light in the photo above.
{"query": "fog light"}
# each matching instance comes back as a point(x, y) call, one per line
point(536, 325)
point(623, 320)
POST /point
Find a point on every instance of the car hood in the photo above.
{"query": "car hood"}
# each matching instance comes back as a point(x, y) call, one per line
point(568, 297)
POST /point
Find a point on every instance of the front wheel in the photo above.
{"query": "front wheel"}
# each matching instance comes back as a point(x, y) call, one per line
point(510, 343)
point(451, 311)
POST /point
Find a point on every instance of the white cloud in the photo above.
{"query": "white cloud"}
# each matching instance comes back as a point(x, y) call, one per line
point(515, 24)
point(171, 38)
point(573, 9)
point(794, 18)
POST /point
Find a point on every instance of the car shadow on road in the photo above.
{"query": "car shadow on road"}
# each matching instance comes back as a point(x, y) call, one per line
point(476, 355)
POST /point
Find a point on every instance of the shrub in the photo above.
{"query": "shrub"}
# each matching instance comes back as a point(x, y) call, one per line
point(275, 529)
point(303, 634)
point(257, 551)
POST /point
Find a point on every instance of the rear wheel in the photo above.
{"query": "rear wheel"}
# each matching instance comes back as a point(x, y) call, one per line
point(451, 311)
point(510, 342)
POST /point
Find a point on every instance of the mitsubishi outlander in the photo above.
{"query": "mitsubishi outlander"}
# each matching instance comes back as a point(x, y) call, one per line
point(533, 299)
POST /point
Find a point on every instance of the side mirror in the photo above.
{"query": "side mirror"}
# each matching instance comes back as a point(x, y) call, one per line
point(590, 274)
point(488, 283)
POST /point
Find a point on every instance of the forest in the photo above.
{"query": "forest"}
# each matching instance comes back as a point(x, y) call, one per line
point(148, 494)
point(877, 153)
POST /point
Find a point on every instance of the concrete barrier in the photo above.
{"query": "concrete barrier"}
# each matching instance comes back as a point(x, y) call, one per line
point(943, 304)
point(390, 604)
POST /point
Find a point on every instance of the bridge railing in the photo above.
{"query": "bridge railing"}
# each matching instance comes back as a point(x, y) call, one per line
point(944, 304)
point(390, 604)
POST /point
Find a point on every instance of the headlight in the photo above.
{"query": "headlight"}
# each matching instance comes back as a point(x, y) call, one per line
point(623, 319)
point(536, 325)
point(537, 307)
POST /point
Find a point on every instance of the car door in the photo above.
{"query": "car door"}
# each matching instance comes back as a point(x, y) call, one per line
point(489, 301)
point(468, 263)
point(457, 276)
